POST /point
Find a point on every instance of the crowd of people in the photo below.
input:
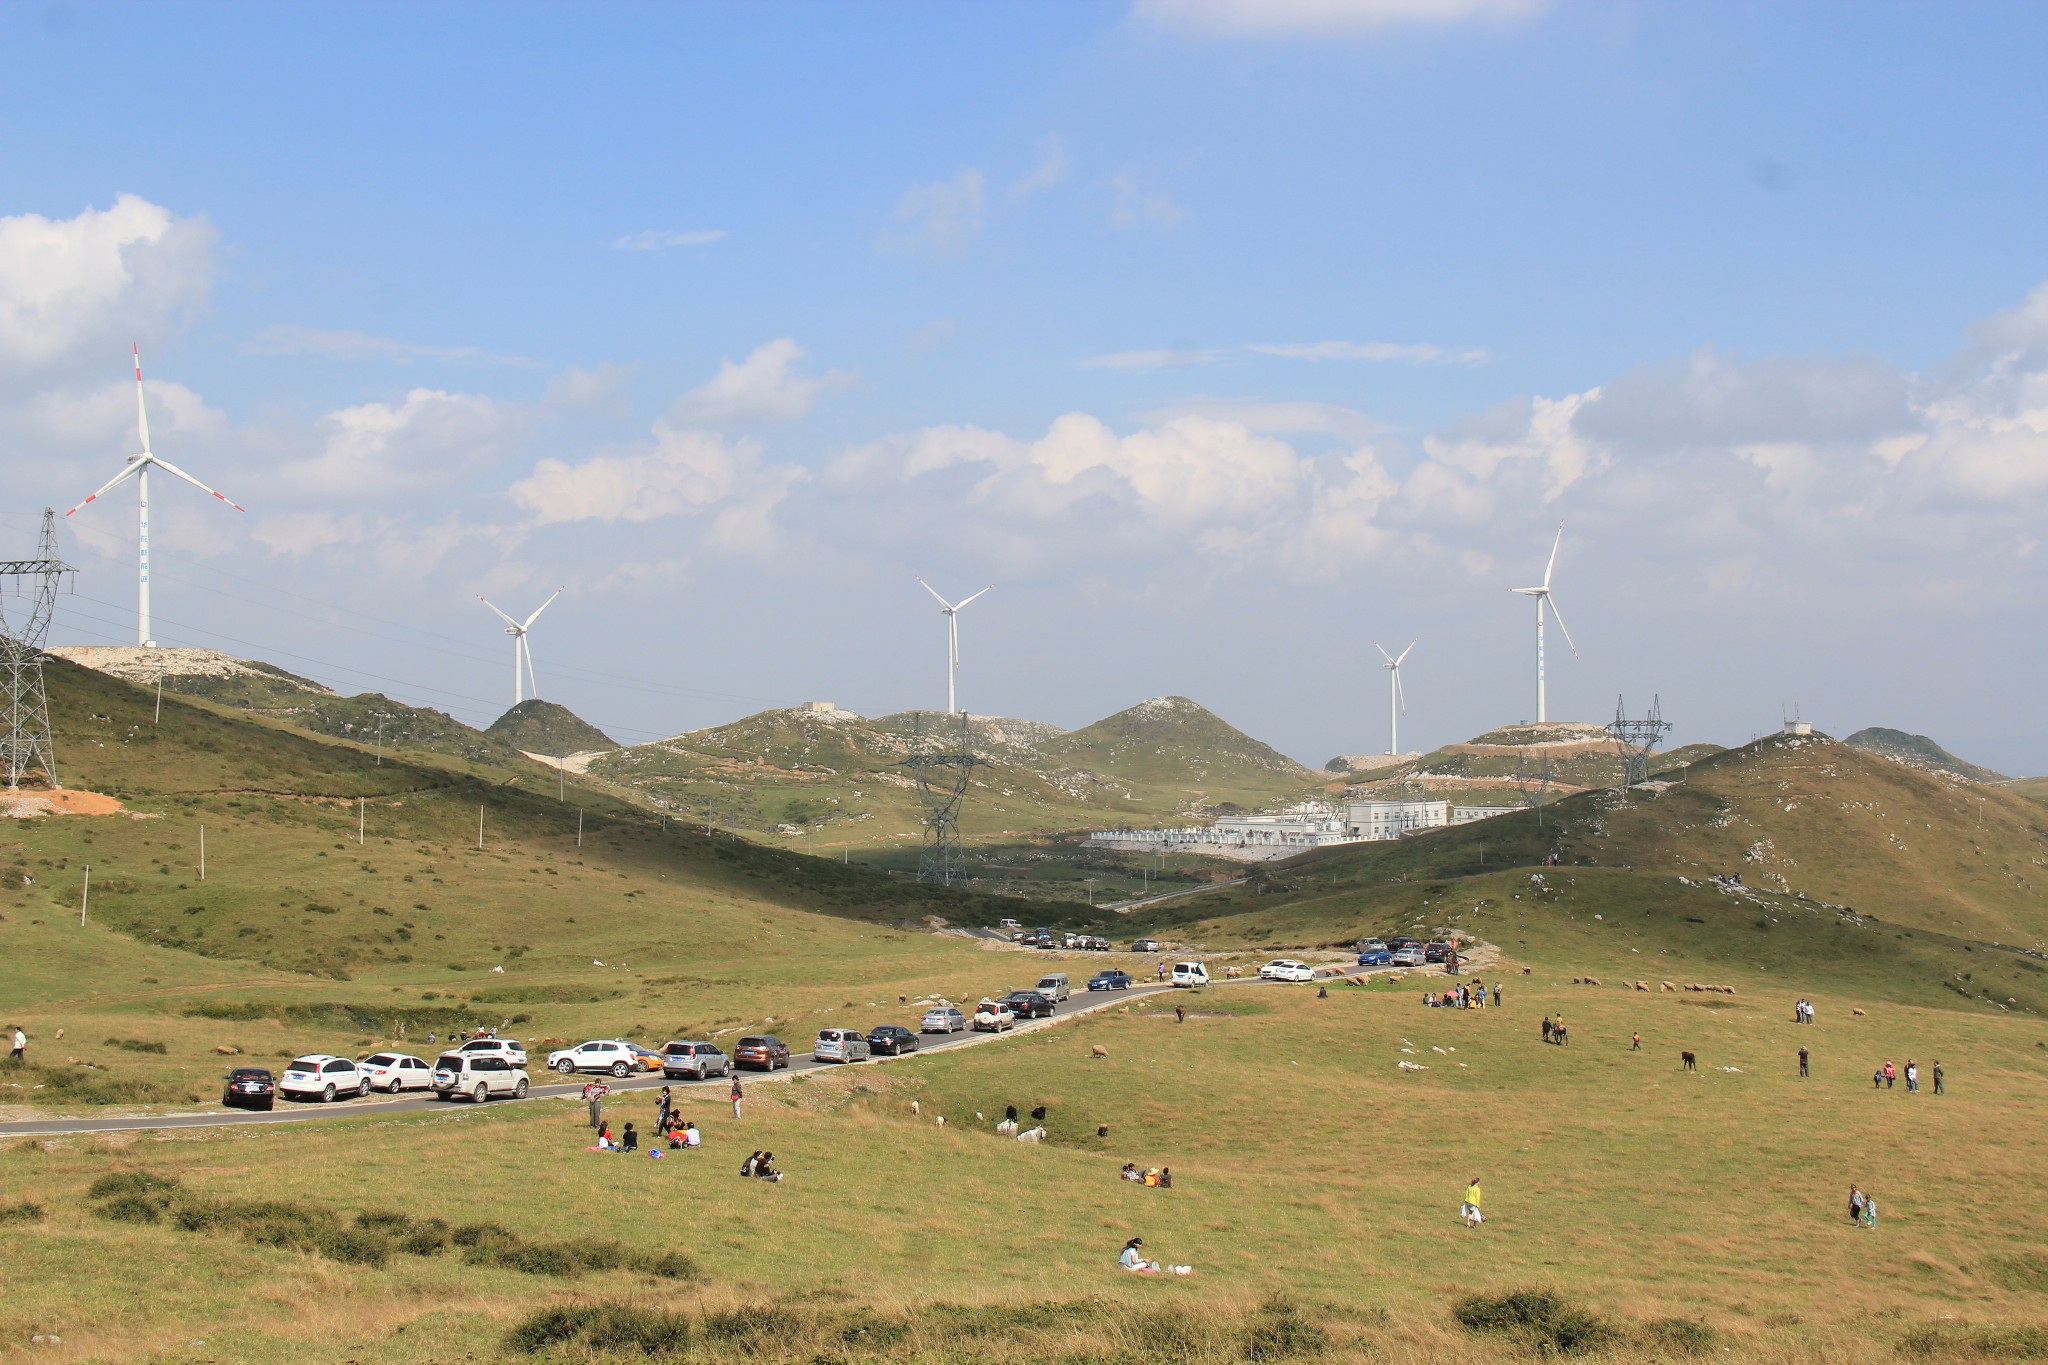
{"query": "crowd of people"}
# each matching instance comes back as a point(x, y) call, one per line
point(1472, 997)
point(1152, 1177)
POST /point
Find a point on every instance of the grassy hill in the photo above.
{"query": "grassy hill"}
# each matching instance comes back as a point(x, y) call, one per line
point(1918, 751)
point(1515, 764)
point(545, 727)
point(604, 917)
point(842, 776)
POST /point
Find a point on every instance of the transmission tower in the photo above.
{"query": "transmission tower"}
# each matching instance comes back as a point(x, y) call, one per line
point(1533, 786)
point(25, 728)
point(1635, 739)
point(941, 784)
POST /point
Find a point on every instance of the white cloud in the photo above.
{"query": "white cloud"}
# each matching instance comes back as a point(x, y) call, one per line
point(940, 217)
point(1276, 418)
point(1419, 353)
point(681, 472)
point(764, 387)
point(73, 288)
point(1138, 201)
point(430, 440)
point(597, 389)
point(1317, 18)
point(658, 239)
point(1169, 358)
point(293, 339)
point(1538, 433)
point(1053, 167)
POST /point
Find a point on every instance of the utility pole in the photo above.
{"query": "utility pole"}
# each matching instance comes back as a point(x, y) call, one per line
point(579, 827)
point(359, 822)
point(479, 826)
point(202, 853)
point(159, 700)
point(85, 895)
point(561, 778)
point(381, 716)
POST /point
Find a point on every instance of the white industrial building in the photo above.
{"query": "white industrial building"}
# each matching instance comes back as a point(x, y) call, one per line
point(1311, 824)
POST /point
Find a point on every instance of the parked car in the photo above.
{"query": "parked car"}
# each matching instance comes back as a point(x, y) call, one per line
point(249, 1087)
point(680, 1060)
point(761, 1052)
point(511, 1049)
point(993, 1016)
point(1406, 957)
point(1287, 969)
point(602, 1054)
point(477, 1076)
point(1376, 957)
point(1400, 941)
point(1008, 924)
point(649, 1059)
point(1145, 945)
point(1371, 945)
point(943, 1019)
point(323, 1077)
point(840, 1045)
point(1190, 974)
point(1115, 979)
point(1029, 1004)
point(891, 1040)
point(1436, 952)
point(396, 1071)
point(1054, 986)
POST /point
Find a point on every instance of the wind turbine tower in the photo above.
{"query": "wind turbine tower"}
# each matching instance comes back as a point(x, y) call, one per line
point(951, 610)
point(1542, 596)
point(1397, 700)
point(522, 652)
point(138, 468)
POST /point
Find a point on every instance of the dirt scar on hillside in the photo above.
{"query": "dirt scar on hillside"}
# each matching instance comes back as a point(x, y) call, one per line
point(28, 805)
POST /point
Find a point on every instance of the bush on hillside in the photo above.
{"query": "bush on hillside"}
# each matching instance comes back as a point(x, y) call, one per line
point(1540, 1319)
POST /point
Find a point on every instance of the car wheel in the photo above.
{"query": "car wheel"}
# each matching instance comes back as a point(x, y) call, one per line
point(394, 1086)
point(620, 1070)
point(519, 1090)
point(481, 1093)
point(327, 1096)
point(565, 1066)
point(363, 1090)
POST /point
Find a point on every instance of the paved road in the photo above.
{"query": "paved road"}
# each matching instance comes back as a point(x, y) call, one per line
point(299, 1111)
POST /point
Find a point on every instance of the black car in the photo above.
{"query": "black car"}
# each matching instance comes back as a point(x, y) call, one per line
point(249, 1087)
point(1112, 980)
point(1029, 1005)
point(1436, 952)
point(1398, 942)
point(891, 1040)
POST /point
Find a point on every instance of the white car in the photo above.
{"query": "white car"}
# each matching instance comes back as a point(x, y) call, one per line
point(323, 1077)
point(511, 1049)
point(944, 1019)
point(1287, 969)
point(477, 1076)
point(396, 1071)
point(604, 1054)
point(993, 1016)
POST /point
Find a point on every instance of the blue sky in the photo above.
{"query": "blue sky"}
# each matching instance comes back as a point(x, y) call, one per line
point(1224, 337)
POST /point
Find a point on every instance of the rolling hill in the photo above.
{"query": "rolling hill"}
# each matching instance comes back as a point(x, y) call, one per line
point(1918, 751)
point(548, 728)
point(1509, 766)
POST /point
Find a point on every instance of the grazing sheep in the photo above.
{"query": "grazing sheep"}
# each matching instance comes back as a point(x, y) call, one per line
point(1688, 1062)
point(1039, 1113)
point(1098, 1051)
point(1102, 1130)
point(1032, 1135)
point(980, 1117)
point(940, 1120)
point(916, 1108)
point(1008, 1127)
point(1233, 971)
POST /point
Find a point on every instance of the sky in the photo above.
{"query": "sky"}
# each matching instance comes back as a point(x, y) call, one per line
point(1229, 339)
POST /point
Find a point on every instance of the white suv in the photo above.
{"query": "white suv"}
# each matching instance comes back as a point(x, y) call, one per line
point(602, 1055)
point(323, 1077)
point(1287, 969)
point(511, 1049)
point(478, 1076)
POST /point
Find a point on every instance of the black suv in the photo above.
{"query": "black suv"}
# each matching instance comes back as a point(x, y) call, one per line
point(891, 1040)
point(1436, 952)
point(1029, 1004)
point(249, 1087)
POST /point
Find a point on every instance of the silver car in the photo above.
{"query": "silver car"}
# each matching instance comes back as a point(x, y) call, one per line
point(1408, 957)
point(944, 1019)
point(840, 1045)
point(693, 1061)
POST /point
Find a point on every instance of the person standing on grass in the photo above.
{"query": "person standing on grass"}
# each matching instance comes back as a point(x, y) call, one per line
point(1855, 1206)
point(20, 1053)
point(1635, 1042)
point(1869, 1212)
point(1912, 1077)
point(737, 1096)
point(1891, 1073)
point(1937, 1078)
point(1496, 995)
point(1802, 1062)
point(663, 1106)
point(1470, 1210)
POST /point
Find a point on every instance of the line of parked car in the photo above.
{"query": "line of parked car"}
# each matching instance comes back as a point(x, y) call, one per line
point(1402, 952)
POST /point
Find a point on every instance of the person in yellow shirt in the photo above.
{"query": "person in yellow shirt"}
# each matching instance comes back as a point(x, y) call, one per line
point(1473, 1217)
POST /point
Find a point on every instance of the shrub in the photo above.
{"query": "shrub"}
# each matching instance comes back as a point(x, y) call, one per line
point(602, 1327)
point(668, 1265)
point(22, 1212)
point(136, 1045)
point(1950, 1339)
point(1278, 1331)
point(131, 1208)
point(1542, 1320)
point(762, 1326)
point(131, 1182)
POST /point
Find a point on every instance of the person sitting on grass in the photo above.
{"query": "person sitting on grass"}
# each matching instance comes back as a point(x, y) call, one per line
point(1131, 1172)
point(692, 1139)
point(764, 1169)
point(1131, 1260)
point(1165, 1177)
point(629, 1141)
point(747, 1167)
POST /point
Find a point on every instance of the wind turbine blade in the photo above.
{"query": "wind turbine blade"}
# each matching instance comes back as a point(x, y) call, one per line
point(935, 592)
point(1391, 660)
point(141, 414)
point(1553, 555)
point(501, 615)
point(1406, 652)
point(111, 483)
point(541, 608)
point(965, 600)
point(1560, 624)
point(526, 651)
point(170, 468)
point(1400, 692)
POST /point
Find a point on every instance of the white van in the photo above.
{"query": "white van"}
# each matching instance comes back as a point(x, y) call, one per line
point(1190, 974)
point(1054, 986)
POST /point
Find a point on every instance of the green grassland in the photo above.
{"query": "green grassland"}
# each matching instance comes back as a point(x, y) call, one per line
point(638, 927)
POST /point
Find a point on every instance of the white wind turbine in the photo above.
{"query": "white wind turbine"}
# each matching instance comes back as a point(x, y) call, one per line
point(522, 652)
point(1397, 700)
point(952, 614)
point(139, 466)
point(1542, 596)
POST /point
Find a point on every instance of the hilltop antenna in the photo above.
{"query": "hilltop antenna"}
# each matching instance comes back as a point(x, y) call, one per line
point(1635, 739)
point(25, 729)
point(941, 785)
